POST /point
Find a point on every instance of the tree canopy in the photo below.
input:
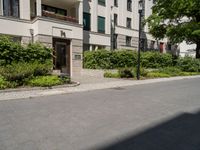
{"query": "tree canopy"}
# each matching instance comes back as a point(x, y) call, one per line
point(178, 20)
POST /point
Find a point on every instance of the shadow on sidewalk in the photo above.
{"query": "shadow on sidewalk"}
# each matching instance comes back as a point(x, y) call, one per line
point(179, 133)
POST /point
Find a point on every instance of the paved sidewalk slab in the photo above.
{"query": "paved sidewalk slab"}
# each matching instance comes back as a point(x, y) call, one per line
point(104, 84)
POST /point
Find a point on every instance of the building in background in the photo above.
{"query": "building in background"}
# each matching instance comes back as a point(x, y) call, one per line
point(71, 26)
point(115, 23)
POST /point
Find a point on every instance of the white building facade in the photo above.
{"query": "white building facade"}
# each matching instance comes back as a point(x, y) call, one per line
point(116, 22)
point(71, 26)
point(57, 24)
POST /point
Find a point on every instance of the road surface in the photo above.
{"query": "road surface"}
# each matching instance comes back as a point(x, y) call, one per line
point(159, 116)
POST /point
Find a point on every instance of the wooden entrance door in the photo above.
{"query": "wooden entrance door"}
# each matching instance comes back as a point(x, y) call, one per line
point(62, 55)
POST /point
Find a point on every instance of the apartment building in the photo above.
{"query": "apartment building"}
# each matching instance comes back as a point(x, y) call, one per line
point(115, 23)
point(71, 26)
point(56, 23)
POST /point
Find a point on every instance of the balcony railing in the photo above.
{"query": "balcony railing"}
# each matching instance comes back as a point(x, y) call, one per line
point(60, 17)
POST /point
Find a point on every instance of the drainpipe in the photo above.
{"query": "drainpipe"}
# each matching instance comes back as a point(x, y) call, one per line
point(32, 35)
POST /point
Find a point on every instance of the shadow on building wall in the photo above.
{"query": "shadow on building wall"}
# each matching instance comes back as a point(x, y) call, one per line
point(179, 133)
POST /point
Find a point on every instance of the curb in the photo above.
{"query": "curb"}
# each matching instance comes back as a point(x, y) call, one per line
point(73, 84)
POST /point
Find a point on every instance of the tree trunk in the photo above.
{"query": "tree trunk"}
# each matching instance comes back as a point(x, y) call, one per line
point(198, 50)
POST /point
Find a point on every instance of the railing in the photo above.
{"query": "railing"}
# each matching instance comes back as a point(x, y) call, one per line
point(60, 17)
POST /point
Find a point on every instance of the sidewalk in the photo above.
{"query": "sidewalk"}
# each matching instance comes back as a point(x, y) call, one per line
point(87, 83)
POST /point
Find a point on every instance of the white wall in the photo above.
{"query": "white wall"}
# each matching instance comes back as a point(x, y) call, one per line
point(25, 9)
point(187, 49)
point(14, 27)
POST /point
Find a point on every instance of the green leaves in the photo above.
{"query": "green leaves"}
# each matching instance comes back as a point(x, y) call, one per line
point(178, 20)
point(13, 52)
point(103, 59)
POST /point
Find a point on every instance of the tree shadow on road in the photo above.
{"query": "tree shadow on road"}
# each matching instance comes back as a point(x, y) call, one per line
point(179, 133)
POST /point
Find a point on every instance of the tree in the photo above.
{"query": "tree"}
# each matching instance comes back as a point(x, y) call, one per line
point(178, 20)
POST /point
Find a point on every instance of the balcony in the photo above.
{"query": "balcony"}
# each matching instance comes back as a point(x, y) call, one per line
point(65, 10)
point(60, 17)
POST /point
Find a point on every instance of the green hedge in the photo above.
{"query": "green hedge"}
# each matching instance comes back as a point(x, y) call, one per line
point(14, 52)
point(103, 59)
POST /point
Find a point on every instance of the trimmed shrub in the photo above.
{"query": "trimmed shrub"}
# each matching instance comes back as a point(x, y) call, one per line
point(103, 59)
point(45, 81)
point(156, 60)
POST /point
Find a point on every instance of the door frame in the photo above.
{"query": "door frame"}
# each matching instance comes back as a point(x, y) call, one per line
point(68, 52)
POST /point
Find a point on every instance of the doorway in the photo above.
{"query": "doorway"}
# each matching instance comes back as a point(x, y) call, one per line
point(62, 55)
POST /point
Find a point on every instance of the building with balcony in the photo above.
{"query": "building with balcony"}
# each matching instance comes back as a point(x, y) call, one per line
point(57, 24)
point(115, 23)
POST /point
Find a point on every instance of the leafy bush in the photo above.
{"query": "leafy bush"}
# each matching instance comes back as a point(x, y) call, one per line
point(37, 51)
point(3, 83)
point(189, 64)
point(156, 60)
point(10, 51)
point(13, 52)
point(126, 73)
point(103, 59)
point(45, 81)
point(6, 84)
point(18, 72)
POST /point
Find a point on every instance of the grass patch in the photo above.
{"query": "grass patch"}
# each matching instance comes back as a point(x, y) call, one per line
point(157, 75)
point(111, 75)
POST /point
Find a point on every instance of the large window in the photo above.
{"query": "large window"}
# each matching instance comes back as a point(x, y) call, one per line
point(129, 5)
point(86, 21)
point(116, 3)
point(115, 19)
point(102, 2)
point(128, 23)
point(101, 24)
point(11, 8)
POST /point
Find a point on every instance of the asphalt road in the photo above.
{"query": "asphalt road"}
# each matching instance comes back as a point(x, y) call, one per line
point(159, 116)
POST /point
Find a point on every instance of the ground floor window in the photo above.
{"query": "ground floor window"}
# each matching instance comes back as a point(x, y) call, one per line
point(128, 41)
point(11, 8)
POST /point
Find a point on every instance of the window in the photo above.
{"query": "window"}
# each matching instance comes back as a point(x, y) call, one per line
point(115, 41)
point(128, 41)
point(86, 21)
point(128, 23)
point(116, 3)
point(152, 45)
point(11, 8)
point(101, 24)
point(129, 5)
point(54, 10)
point(102, 2)
point(115, 19)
